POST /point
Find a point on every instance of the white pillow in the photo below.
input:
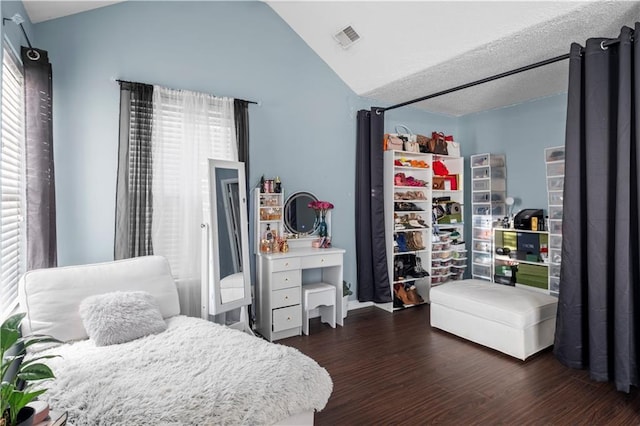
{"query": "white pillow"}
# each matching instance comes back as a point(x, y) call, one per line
point(120, 317)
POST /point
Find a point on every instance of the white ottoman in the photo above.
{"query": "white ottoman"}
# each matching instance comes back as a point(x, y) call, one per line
point(512, 320)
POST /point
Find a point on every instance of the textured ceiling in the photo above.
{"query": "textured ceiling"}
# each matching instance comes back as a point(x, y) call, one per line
point(412, 49)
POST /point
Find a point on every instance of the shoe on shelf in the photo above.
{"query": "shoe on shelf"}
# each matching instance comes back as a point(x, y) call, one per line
point(402, 242)
point(397, 303)
point(417, 239)
point(402, 294)
point(419, 269)
point(400, 179)
point(414, 241)
point(414, 296)
point(408, 207)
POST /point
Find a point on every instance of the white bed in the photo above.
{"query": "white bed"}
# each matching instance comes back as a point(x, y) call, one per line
point(195, 372)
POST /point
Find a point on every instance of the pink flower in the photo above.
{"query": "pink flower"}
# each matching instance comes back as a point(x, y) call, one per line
point(321, 207)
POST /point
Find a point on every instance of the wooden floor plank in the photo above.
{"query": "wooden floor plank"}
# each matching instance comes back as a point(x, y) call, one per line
point(395, 369)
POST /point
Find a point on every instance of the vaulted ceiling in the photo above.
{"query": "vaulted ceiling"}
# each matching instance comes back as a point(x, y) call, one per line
point(410, 49)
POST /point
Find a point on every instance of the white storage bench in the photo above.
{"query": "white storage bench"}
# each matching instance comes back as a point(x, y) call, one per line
point(512, 320)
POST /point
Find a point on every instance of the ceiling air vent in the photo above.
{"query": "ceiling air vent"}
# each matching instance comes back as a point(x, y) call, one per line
point(347, 37)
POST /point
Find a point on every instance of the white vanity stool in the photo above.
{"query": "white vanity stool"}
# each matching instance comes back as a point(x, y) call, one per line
point(322, 296)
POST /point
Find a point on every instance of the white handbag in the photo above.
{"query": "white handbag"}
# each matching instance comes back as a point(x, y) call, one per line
point(453, 149)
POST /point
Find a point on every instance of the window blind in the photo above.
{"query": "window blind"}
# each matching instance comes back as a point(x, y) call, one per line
point(12, 230)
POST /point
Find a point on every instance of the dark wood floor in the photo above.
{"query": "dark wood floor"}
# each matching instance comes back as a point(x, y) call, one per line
point(394, 369)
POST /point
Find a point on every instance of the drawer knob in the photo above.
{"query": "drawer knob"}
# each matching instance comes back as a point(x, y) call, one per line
point(286, 279)
point(286, 297)
point(288, 318)
point(321, 260)
point(286, 264)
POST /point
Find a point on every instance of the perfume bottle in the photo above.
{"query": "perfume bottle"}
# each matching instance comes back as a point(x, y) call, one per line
point(278, 185)
point(268, 234)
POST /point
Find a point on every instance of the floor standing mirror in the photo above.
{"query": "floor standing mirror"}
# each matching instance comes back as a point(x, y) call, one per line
point(226, 285)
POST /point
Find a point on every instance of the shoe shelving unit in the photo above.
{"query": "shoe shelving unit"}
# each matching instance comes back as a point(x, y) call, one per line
point(488, 195)
point(554, 159)
point(408, 195)
point(448, 250)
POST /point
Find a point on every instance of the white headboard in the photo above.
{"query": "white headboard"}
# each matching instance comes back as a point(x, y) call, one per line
point(51, 297)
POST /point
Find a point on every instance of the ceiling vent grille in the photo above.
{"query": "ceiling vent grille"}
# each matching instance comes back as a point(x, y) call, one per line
point(347, 37)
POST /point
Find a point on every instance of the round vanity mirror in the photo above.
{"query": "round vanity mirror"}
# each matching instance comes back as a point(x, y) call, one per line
point(298, 217)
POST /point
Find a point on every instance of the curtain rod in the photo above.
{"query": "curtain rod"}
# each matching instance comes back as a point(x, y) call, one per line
point(18, 20)
point(604, 45)
point(134, 82)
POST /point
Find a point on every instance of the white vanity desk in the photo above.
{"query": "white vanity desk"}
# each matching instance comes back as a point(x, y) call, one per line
point(279, 287)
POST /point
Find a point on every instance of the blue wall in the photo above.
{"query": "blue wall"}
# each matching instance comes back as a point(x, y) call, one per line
point(303, 130)
point(522, 132)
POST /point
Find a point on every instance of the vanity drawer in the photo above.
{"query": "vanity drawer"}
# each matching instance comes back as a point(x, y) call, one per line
point(286, 318)
point(285, 297)
point(285, 264)
point(286, 279)
point(321, 260)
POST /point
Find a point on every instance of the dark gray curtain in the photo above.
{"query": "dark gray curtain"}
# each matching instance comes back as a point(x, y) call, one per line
point(598, 311)
point(241, 115)
point(40, 177)
point(371, 249)
point(134, 207)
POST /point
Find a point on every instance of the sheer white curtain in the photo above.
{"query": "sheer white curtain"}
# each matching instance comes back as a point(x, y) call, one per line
point(188, 129)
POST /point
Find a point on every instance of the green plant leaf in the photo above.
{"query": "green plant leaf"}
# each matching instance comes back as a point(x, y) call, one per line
point(32, 340)
point(12, 323)
point(11, 358)
point(7, 361)
point(23, 398)
point(38, 358)
point(11, 398)
point(18, 400)
point(6, 389)
point(35, 372)
point(8, 338)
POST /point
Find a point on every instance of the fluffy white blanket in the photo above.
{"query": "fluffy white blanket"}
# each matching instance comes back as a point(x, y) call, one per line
point(195, 372)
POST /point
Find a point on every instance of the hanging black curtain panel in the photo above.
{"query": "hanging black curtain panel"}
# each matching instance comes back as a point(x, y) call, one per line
point(40, 176)
point(371, 251)
point(241, 115)
point(134, 206)
point(598, 308)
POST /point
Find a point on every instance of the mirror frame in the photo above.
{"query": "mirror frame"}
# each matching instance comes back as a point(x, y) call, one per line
point(287, 207)
point(214, 301)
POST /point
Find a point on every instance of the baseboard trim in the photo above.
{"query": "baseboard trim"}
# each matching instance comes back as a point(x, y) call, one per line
point(355, 304)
